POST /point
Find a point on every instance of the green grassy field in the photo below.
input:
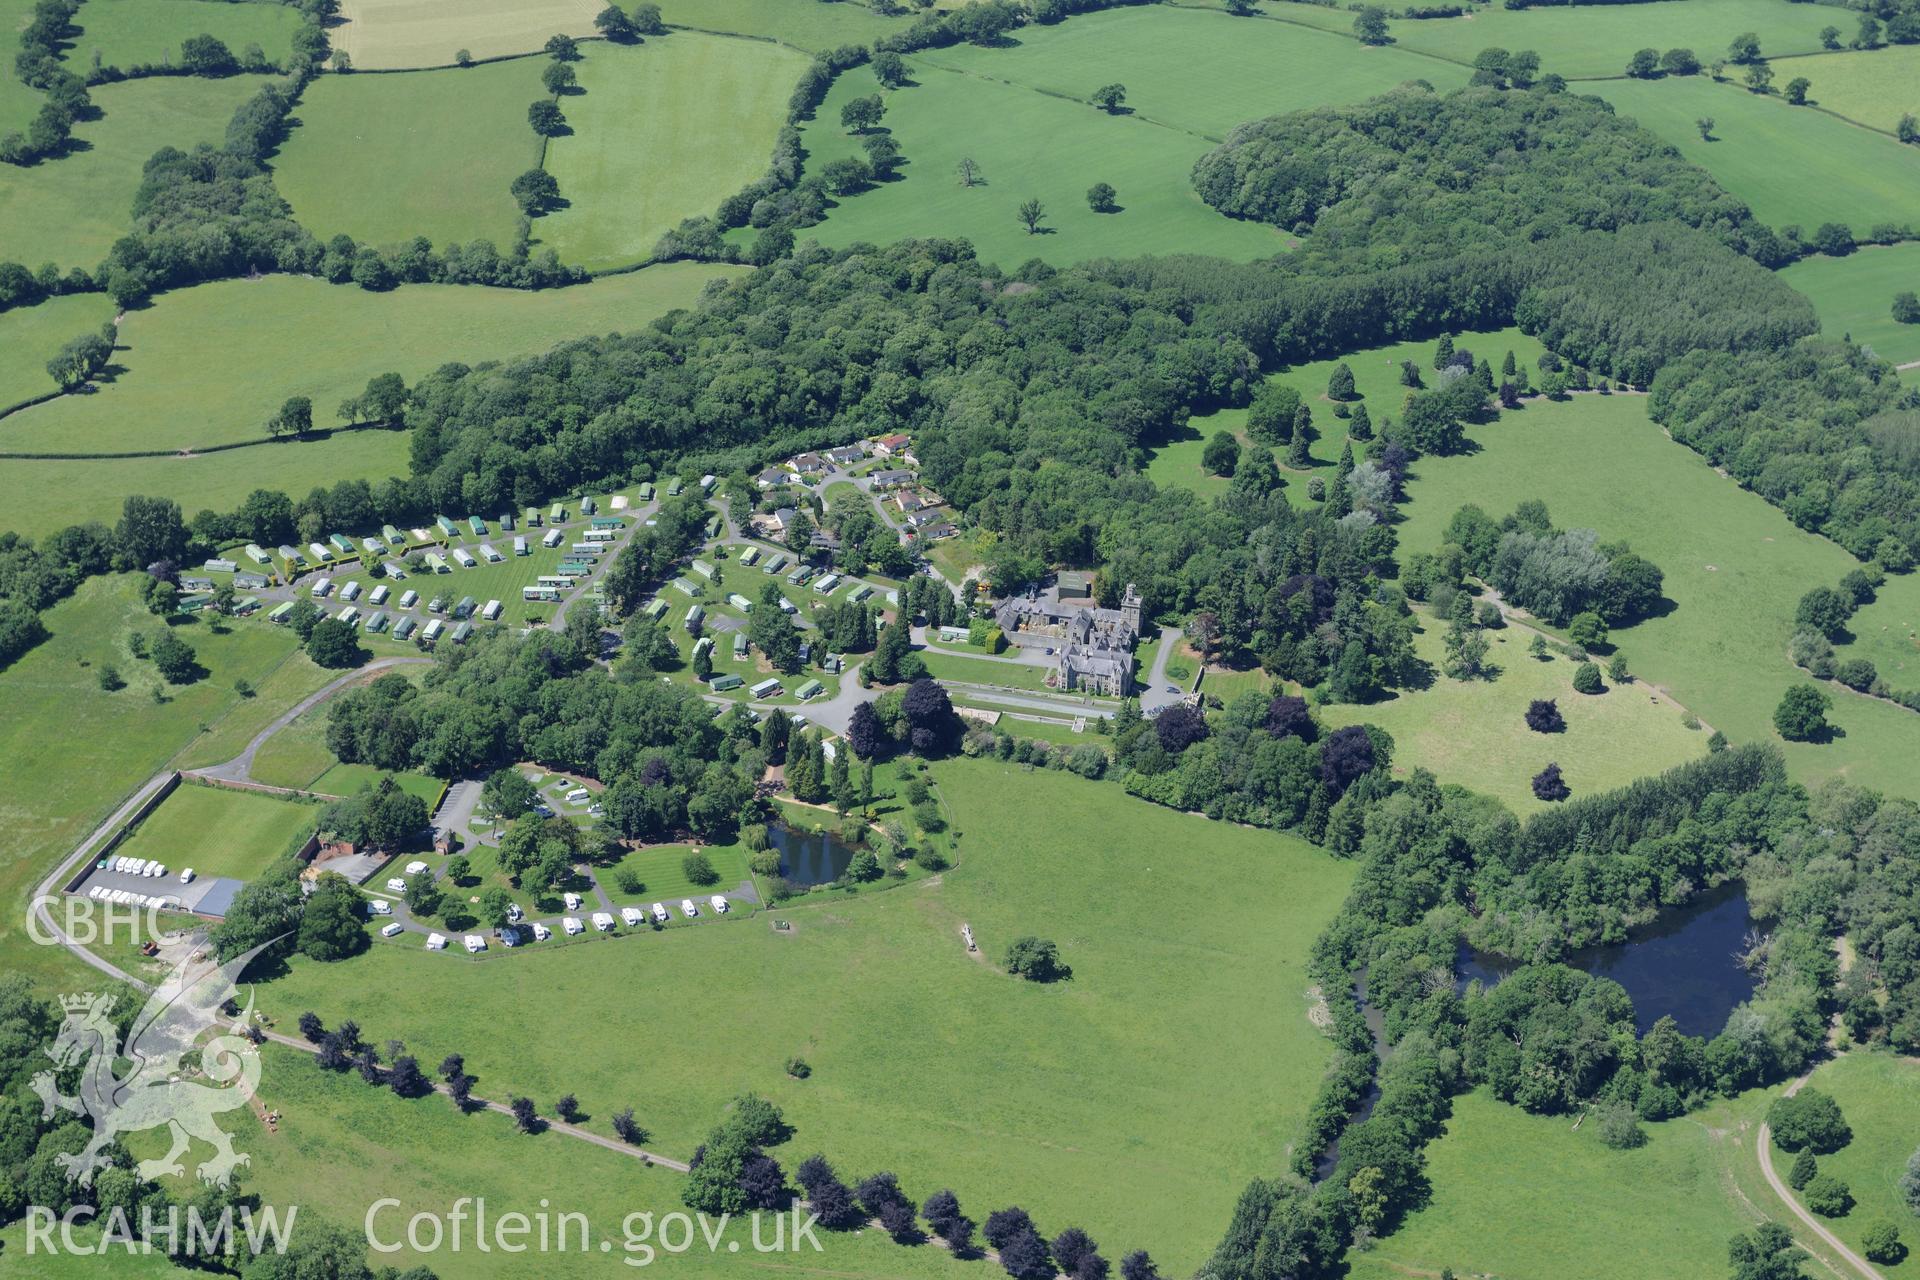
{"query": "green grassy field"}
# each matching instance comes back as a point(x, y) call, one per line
point(1887, 632)
point(1012, 675)
point(1854, 296)
point(1473, 732)
point(126, 33)
point(804, 24)
point(297, 755)
point(18, 102)
point(219, 832)
point(1597, 39)
point(281, 336)
point(1027, 145)
point(388, 34)
point(72, 492)
point(1879, 1094)
point(79, 1266)
point(1081, 1101)
point(29, 336)
point(1197, 71)
point(1840, 172)
point(70, 211)
point(1874, 86)
point(335, 1128)
point(345, 779)
point(48, 801)
point(1376, 380)
point(430, 153)
point(1735, 567)
point(1516, 1195)
point(664, 131)
point(291, 681)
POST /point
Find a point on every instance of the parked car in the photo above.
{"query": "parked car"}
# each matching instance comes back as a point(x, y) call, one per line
point(186, 875)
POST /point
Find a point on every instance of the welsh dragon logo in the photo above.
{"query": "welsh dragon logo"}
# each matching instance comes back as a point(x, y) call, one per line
point(156, 1088)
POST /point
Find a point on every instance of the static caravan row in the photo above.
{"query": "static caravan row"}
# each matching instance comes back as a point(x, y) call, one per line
point(614, 523)
point(490, 610)
point(378, 622)
point(464, 560)
point(476, 524)
point(775, 563)
point(393, 536)
point(766, 688)
point(553, 539)
point(545, 594)
point(860, 592)
point(555, 581)
point(739, 644)
point(379, 593)
point(704, 569)
point(408, 599)
point(434, 629)
point(257, 554)
point(721, 684)
point(489, 554)
point(404, 628)
point(829, 584)
point(341, 543)
point(280, 612)
point(598, 537)
point(466, 607)
point(447, 527)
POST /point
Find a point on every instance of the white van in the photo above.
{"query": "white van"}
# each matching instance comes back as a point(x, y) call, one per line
point(579, 795)
point(719, 903)
point(572, 900)
point(660, 912)
point(396, 885)
point(186, 875)
point(603, 921)
point(688, 909)
point(541, 933)
point(634, 916)
point(572, 925)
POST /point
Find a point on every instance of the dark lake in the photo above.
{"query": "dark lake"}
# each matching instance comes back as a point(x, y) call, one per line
point(1683, 964)
point(807, 858)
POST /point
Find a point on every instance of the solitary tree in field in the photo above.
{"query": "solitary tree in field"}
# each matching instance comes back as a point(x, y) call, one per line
point(1543, 716)
point(1802, 714)
point(1102, 198)
point(341, 60)
point(1242, 8)
point(969, 171)
point(1829, 37)
point(1371, 26)
point(1760, 78)
point(1644, 65)
point(647, 20)
point(563, 48)
point(1549, 785)
point(1109, 97)
point(535, 190)
point(1908, 130)
point(295, 417)
point(1906, 307)
point(462, 58)
point(1705, 125)
point(862, 114)
point(1032, 213)
point(1797, 90)
point(546, 118)
point(613, 23)
point(1745, 49)
point(889, 68)
point(558, 77)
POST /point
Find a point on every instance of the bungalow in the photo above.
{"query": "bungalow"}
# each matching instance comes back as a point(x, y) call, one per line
point(773, 477)
point(891, 479)
point(890, 446)
point(807, 464)
point(935, 532)
point(846, 455)
point(908, 500)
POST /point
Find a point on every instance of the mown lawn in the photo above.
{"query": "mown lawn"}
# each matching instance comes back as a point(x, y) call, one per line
point(1082, 1101)
point(127, 33)
point(1198, 71)
point(18, 102)
point(69, 211)
point(219, 832)
point(29, 337)
point(1879, 1094)
point(664, 131)
point(1027, 145)
point(1874, 86)
point(1012, 675)
point(1791, 164)
point(1522, 1195)
point(1854, 296)
point(664, 880)
point(281, 336)
point(1474, 732)
point(427, 153)
point(804, 24)
point(74, 751)
point(1735, 568)
point(389, 34)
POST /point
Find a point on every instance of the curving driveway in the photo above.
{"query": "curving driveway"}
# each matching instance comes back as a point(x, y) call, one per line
point(240, 768)
point(1763, 1148)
